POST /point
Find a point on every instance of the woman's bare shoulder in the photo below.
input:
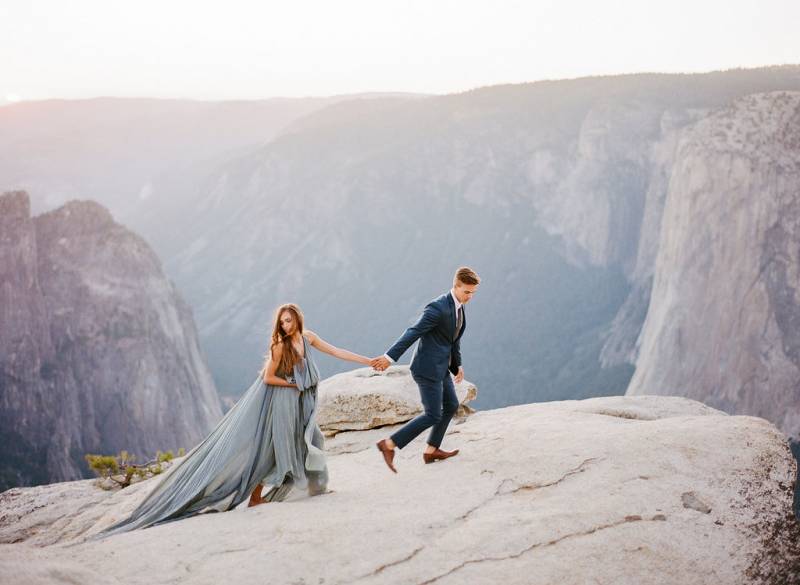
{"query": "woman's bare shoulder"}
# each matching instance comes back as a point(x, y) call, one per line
point(310, 335)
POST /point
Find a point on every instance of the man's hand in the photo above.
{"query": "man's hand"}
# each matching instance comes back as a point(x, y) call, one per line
point(459, 377)
point(379, 363)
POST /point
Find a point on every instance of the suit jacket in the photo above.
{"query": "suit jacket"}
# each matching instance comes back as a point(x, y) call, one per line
point(437, 351)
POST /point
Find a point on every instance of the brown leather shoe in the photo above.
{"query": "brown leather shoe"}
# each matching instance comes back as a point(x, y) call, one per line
point(388, 454)
point(255, 497)
point(438, 454)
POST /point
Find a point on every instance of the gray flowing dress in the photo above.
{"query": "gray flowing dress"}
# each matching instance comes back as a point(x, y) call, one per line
point(270, 436)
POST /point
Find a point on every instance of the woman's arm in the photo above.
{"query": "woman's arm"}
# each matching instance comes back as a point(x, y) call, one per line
point(322, 345)
point(268, 373)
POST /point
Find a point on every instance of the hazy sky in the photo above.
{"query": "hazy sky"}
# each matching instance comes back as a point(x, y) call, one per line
point(234, 49)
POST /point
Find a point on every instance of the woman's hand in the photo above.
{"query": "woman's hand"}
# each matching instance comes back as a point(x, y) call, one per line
point(268, 373)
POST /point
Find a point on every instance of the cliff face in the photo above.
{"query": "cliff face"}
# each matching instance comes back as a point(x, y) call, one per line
point(642, 246)
point(552, 191)
point(98, 352)
point(723, 324)
point(27, 376)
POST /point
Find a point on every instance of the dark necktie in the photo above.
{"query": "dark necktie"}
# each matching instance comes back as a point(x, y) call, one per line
point(459, 321)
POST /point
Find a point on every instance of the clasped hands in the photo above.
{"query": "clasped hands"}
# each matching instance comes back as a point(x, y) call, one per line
point(380, 363)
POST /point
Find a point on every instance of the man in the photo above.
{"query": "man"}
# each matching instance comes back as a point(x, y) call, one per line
point(438, 354)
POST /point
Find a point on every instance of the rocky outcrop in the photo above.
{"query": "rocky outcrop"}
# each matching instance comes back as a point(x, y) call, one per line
point(98, 352)
point(724, 315)
point(620, 490)
point(364, 399)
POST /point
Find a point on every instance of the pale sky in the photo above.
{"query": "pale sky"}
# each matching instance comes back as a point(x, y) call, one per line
point(245, 50)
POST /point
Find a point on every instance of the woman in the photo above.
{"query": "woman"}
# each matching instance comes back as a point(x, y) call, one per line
point(269, 436)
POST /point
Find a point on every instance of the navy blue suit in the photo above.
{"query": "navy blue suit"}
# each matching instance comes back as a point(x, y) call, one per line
point(437, 354)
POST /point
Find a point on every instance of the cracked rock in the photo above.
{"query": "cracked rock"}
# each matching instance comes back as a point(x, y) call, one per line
point(539, 494)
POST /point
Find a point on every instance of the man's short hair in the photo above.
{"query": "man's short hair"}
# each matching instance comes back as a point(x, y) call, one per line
point(466, 275)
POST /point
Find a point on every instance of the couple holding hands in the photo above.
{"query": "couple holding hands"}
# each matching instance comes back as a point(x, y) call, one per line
point(270, 436)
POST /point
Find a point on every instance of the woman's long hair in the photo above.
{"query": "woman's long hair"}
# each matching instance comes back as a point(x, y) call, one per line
point(289, 357)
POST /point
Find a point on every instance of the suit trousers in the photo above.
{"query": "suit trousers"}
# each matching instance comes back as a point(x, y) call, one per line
point(439, 403)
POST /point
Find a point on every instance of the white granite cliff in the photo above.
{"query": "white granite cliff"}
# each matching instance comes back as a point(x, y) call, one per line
point(723, 324)
point(98, 352)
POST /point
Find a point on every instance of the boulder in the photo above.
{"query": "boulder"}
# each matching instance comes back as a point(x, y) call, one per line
point(364, 399)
